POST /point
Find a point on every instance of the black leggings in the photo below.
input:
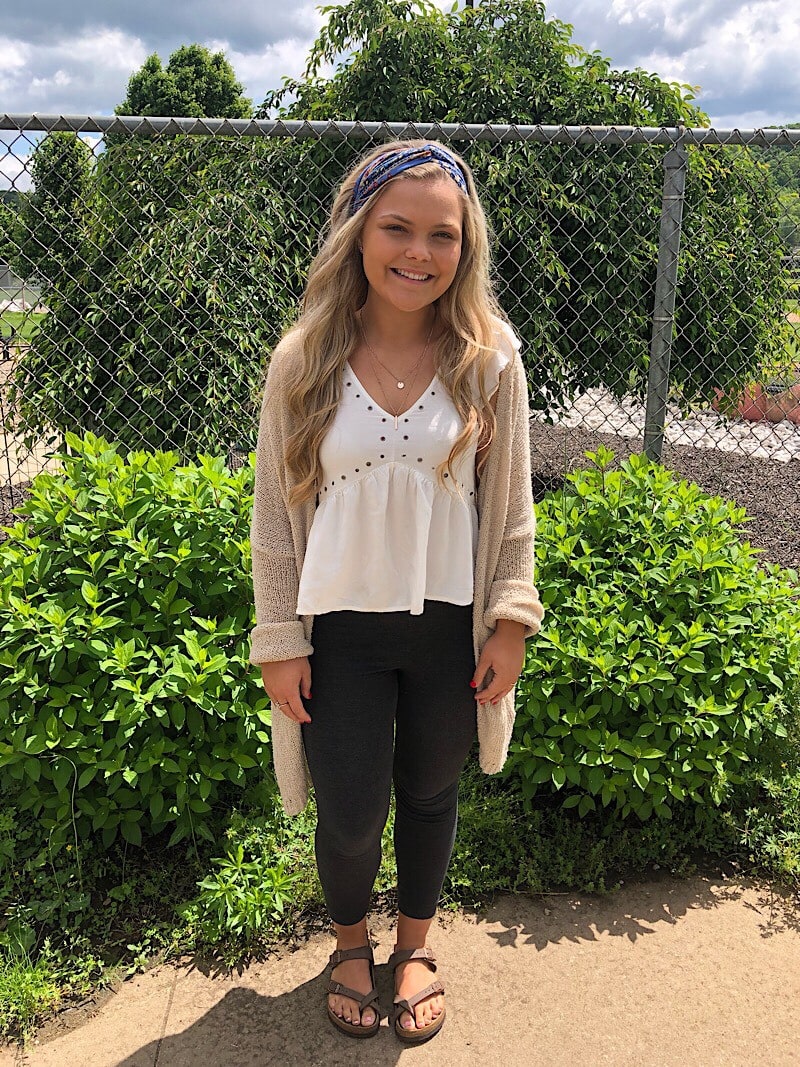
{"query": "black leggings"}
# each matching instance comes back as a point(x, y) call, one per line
point(391, 701)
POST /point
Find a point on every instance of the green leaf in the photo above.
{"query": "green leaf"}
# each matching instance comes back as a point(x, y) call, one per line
point(641, 775)
point(559, 776)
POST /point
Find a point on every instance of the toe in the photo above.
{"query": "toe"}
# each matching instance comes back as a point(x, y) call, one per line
point(368, 1017)
point(406, 1021)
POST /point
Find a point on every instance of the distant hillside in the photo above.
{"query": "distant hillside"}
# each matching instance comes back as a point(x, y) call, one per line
point(784, 162)
point(784, 165)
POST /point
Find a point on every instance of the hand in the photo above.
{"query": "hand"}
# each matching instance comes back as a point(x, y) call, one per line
point(504, 653)
point(284, 681)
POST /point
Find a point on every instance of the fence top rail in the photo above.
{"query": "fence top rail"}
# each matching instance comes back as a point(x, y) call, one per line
point(340, 130)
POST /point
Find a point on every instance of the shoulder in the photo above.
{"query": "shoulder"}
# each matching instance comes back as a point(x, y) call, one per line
point(288, 349)
point(506, 347)
point(285, 355)
point(506, 339)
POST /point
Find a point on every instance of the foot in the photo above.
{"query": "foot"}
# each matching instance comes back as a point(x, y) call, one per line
point(355, 974)
point(410, 978)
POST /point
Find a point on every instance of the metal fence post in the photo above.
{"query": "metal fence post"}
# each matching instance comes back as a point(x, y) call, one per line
point(669, 246)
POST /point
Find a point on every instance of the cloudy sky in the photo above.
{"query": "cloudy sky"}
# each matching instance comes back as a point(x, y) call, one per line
point(76, 57)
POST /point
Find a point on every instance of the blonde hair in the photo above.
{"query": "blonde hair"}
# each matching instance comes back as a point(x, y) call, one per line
point(337, 288)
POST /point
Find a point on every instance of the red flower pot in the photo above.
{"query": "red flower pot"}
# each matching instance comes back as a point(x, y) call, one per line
point(771, 404)
point(750, 405)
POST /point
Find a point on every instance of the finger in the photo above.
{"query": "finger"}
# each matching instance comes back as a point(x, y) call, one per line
point(299, 712)
point(492, 692)
point(502, 693)
point(480, 672)
point(285, 708)
point(305, 681)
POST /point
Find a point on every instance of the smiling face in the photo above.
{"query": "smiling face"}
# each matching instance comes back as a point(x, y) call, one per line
point(414, 228)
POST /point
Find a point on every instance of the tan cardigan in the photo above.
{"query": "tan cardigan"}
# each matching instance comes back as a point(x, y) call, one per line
point(503, 587)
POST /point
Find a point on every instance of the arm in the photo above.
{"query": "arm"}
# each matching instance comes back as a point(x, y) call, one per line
point(514, 610)
point(512, 595)
point(278, 634)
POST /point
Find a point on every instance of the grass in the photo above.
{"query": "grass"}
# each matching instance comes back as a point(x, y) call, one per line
point(28, 991)
point(22, 323)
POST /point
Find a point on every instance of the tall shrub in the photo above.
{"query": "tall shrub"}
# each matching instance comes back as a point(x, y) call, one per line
point(127, 702)
point(669, 656)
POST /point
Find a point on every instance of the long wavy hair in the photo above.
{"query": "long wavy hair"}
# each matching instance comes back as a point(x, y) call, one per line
point(335, 291)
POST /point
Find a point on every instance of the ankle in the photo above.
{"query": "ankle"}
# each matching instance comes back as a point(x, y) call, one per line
point(351, 936)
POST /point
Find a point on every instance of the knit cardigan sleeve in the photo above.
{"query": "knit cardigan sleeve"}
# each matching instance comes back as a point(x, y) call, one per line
point(279, 632)
point(512, 594)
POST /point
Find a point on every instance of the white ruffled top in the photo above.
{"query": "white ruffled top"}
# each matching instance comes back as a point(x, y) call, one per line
point(386, 535)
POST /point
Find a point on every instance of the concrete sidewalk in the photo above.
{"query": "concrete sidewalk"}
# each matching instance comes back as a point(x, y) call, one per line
point(694, 972)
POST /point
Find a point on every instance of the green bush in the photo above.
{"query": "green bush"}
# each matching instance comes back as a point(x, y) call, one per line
point(127, 703)
point(668, 658)
point(504, 844)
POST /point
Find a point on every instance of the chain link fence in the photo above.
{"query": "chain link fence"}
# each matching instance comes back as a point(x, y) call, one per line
point(651, 273)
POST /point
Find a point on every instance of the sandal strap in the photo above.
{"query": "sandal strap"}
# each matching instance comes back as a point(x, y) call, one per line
point(400, 955)
point(408, 1003)
point(363, 952)
point(364, 1000)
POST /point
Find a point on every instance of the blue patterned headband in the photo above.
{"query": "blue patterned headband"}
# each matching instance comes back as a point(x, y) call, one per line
point(390, 164)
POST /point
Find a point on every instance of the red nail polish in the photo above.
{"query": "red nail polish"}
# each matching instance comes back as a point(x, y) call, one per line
point(474, 685)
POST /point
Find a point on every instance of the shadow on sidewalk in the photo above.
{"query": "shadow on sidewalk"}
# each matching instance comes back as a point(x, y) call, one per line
point(634, 910)
point(290, 1029)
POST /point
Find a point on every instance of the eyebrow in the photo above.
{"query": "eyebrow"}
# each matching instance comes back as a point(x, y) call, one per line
point(394, 215)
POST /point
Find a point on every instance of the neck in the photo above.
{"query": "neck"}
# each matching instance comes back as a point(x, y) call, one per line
point(387, 328)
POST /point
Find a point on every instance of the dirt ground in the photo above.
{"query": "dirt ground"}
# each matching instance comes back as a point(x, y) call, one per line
point(692, 972)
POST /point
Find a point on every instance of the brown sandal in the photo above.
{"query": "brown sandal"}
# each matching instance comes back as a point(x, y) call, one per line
point(364, 1000)
point(423, 1033)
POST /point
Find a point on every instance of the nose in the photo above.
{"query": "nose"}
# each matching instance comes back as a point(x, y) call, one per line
point(418, 248)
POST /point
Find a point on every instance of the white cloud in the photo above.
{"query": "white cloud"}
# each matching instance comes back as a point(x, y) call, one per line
point(262, 71)
point(743, 55)
point(77, 58)
point(14, 167)
point(86, 74)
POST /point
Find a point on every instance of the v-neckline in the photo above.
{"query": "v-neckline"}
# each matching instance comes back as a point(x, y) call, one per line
point(391, 414)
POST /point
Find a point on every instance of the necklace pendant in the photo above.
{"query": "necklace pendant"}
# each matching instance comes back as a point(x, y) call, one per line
point(401, 385)
point(395, 421)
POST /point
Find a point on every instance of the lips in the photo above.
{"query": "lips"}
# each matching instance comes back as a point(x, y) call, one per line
point(417, 281)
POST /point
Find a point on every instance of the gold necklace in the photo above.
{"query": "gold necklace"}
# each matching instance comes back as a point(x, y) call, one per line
point(400, 384)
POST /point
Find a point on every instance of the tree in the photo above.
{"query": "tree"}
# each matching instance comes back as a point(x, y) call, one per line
point(195, 83)
point(49, 229)
point(789, 223)
point(200, 247)
point(160, 330)
point(783, 161)
point(576, 226)
point(8, 239)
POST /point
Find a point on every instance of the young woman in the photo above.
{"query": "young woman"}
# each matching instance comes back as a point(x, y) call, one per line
point(393, 513)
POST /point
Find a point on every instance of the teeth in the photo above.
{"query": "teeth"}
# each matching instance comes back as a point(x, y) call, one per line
point(414, 277)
